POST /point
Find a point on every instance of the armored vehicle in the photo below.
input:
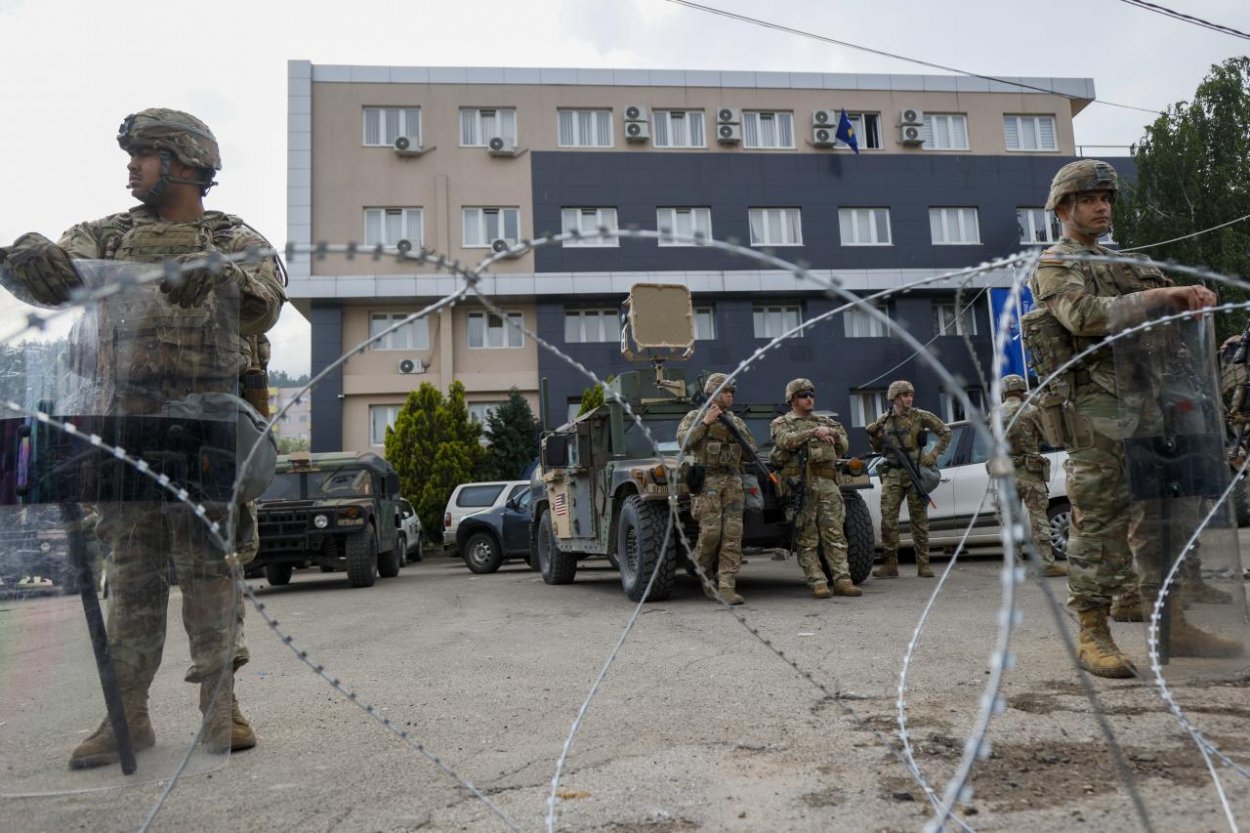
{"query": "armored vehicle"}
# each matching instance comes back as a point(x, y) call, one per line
point(336, 510)
point(603, 490)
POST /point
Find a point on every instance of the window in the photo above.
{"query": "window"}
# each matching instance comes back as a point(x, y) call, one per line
point(1037, 225)
point(480, 412)
point(487, 330)
point(776, 227)
point(861, 323)
point(950, 320)
point(954, 226)
point(483, 226)
point(684, 223)
point(588, 221)
point(388, 226)
point(867, 128)
point(767, 130)
point(864, 226)
point(585, 128)
point(679, 129)
point(945, 131)
point(773, 321)
point(383, 125)
point(381, 417)
point(586, 325)
point(1030, 132)
point(953, 409)
point(574, 408)
point(479, 495)
point(414, 335)
point(478, 127)
point(866, 406)
point(704, 323)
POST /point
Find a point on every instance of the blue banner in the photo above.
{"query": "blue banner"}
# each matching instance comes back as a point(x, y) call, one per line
point(1013, 359)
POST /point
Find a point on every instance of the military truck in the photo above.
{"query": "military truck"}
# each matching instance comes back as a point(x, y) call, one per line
point(602, 490)
point(338, 510)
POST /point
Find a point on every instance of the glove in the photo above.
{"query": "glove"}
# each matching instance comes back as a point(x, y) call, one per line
point(191, 287)
point(873, 429)
point(42, 269)
point(928, 460)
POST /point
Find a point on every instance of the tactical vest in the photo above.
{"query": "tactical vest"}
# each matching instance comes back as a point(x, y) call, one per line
point(718, 449)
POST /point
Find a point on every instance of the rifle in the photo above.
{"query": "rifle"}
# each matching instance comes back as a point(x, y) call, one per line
point(798, 496)
point(751, 453)
point(900, 456)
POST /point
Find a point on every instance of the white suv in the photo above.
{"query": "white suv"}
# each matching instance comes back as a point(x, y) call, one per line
point(963, 490)
point(471, 498)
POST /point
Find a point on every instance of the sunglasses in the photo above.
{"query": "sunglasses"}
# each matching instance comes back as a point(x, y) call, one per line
point(806, 394)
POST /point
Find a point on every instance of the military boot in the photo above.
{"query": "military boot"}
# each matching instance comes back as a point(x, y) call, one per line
point(1055, 569)
point(1189, 641)
point(1129, 607)
point(241, 734)
point(846, 587)
point(729, 594)
point(216, 698)
point(100, 747)
point(1096, 650)
point(888, 568)
point(1197, 591)
point(820, 590)
point(922, 566)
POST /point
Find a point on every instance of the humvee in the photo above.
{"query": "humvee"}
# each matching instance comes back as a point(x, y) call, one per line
point(601, 488)
point(338, 510)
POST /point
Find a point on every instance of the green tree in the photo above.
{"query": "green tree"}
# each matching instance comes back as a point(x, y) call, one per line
point(1193, 174)
point(513, 433)
point(592, 397)
point(289, 445)
point(282, 379)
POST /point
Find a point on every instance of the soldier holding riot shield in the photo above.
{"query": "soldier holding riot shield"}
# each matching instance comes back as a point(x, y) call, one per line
point(183, 347)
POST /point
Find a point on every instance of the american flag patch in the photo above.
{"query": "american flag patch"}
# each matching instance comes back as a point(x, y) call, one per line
point(560, 505)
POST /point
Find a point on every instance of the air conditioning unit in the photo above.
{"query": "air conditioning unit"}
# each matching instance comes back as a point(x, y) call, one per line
point(502, 245)
point(405, 146)
point(824, 137)
point(911, 134)
point(910, 115)
point(728, 115)
point(407, 366)
point(501, 147)
point(825, 117)
point(635, 112)
point(729, 134)
point(637, 131)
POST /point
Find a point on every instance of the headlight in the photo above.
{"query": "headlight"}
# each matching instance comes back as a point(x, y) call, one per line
point(321, 521)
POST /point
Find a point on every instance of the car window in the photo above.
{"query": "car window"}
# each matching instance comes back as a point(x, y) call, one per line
point(949, 454)
point(479, 496)
point(522, 499)
point(518, 490)
point(981, 445)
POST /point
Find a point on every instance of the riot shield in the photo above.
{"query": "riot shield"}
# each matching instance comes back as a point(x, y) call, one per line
point(1181, 529)
point(117, 465)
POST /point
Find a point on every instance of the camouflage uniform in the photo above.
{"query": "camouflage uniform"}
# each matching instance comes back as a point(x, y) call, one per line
point(1032, 470)
point(896, 485)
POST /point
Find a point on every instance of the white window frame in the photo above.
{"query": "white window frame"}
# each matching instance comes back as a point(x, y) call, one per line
point(705, 323)
point(477, 222)
point(1027, 220)
point(507, 336)
point(588, 221)
point(390, 412)
point(860, 220)
point(409, 216)
point(1030, 130)
point(663, 131)
point(857, 322)
point(769, 223)
point(950, 128)
point(772, 320)
point(598, 127)
point(866, 406)
point(688, 222)
point(501, 123)
point(393, 122)
point(867, 127)
point(949, 320)
point(757, 123)
point(414, 335)
point(579, 323)
point(958, 226)
point(952, 409)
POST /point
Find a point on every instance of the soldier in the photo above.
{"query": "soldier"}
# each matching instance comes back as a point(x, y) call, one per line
point(1032, 468)
point(807, 447)
point(1087, 302)
point(173, 157)
point(907, 426)
point(718, 502)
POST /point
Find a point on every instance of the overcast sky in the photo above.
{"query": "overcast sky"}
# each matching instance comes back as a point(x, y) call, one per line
point(70, 70)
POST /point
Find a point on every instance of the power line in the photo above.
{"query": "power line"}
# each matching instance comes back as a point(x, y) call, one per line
point(1187, 18)
point(755, 21)
point(1186, 236)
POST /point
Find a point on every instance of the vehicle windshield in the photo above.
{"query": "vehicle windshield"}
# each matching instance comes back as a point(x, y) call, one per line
point(311, 485)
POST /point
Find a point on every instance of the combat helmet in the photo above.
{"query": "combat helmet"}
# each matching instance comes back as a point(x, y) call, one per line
point(899, 388)
point(715, 381)
point(797, 385)
point(174, 135)
point(1082, 175)
point(1014, 383)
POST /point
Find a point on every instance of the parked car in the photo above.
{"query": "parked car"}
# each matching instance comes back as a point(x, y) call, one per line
point(471, 498)
point(964, 491)
point(494, 536)
point(410, 529)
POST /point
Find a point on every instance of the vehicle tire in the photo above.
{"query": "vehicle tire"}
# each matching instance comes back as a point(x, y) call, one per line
point(482, 553)
point(389, 562)
point(1060, 517)
point(279, 574)
point(361, 552)
point(416, 554)
point(555, 567)
point(861, 541)
point(401, 548)
point(640, 534)
point(1241, 502)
